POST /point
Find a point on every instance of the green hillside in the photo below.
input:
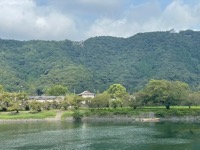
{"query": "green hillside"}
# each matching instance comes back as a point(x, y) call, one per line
point(96, 63)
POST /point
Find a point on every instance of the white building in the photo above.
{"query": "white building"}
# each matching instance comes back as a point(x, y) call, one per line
point(87, 94)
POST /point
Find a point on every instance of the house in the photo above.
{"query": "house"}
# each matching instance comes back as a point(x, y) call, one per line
point(87, 94)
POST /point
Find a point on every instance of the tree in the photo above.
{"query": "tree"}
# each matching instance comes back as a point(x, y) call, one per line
point(117, 91)
point(116, 103)
point(5, 100)
point(135, 101)
point(37, 106)
point(65, 104)
point(193, 99)
point(22, 99)
point(46, 105)
point(100, 100)
point(14, 106)
point(75, 101)
point(166, 92)
point(57, 90)
point(18, 101)
point(141, 97)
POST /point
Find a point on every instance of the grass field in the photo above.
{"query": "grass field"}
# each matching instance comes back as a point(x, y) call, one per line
point(28, 115)
point(158, 111)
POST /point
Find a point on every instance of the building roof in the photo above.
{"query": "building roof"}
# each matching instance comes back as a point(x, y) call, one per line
point(86, 93)
point(42, 97)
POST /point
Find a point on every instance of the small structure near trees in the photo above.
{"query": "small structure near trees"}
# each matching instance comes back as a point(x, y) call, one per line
point(46, 98)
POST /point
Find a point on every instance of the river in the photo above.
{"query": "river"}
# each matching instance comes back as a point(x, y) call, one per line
point(101, 135)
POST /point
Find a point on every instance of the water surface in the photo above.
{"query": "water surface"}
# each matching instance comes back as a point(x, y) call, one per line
point(92, 136)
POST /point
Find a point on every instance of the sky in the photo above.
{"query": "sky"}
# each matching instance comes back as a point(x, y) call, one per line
point(79, 20)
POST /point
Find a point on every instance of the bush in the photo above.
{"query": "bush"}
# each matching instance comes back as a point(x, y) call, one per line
point(120, 113)
point(161, 113)
point(103, 113)
point(36, 106)
point(77, 115)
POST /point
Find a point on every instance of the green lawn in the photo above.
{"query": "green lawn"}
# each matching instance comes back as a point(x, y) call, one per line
point(28, 115)
point(159, 111)
point(67, 113)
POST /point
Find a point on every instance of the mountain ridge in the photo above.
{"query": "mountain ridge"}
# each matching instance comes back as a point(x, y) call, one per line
point(97, 62)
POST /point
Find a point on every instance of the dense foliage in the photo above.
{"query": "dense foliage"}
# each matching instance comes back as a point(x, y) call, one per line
point(96, 63)
point(57, 90)
point(164, 92)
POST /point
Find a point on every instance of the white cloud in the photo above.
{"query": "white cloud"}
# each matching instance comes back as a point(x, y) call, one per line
point(22, 19)
point(81, 19)
point(135, 19)
point(149, 17)
point(180, 15)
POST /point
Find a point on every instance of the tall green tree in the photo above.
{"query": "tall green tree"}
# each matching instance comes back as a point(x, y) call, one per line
point(18, 101)
point(193, 99)
point(57, 90)
point(166, 92)
point(134, 100)
point(117, 91)
point(36, 106)
point(116, 103)
point(100, 100)
point(6, 100)
point(75, 101)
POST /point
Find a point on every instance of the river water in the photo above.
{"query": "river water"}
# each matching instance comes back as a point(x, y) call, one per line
point(92, 136)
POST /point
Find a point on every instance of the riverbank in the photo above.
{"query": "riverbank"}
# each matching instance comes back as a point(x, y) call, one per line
point(145, 114)
point(145, 120)
point(28, 115)
point(116, 119)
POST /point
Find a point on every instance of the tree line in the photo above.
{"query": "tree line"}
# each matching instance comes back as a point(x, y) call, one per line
point(155, 93)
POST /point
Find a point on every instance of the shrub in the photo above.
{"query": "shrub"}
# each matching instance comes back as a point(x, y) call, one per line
point(77, 115)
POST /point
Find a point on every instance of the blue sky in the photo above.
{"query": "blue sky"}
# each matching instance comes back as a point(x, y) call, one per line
point(80, 19)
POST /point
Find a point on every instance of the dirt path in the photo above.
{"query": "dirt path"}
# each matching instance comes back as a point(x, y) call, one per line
point(59, 115)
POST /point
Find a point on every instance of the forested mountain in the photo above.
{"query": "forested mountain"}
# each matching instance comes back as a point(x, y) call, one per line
point(96, 63)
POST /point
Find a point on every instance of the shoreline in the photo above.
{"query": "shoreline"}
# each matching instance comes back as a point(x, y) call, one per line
point(107, 119)
point(33, 120)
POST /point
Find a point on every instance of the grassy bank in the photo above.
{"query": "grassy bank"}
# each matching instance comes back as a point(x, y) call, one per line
point(28, 115)
point(160, 112)
point(142, 112)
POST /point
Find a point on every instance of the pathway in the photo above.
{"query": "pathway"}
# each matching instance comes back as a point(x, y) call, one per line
point(58, 116)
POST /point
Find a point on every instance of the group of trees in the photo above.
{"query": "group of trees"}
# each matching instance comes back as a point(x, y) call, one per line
point(156, 92)
point(13, 101)
point(163, 92)
point(57, 90)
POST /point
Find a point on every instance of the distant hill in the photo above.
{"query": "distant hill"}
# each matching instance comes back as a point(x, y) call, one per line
point(96, 63)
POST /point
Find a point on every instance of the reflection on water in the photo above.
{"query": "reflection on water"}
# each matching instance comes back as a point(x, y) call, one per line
point(90, 136)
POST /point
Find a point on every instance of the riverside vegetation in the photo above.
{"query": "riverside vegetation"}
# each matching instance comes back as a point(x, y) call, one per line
point(161, 97)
